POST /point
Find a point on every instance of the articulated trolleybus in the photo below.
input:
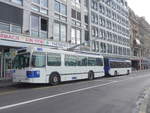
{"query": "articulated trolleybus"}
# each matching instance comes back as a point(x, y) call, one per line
point(44, 65)
point(117, 66)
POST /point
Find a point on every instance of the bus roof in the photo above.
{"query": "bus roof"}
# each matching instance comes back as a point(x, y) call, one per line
point(119, 60)
point(44, 49)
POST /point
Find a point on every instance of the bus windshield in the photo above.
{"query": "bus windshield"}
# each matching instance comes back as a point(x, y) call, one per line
point(38, 59)
point(21, 61)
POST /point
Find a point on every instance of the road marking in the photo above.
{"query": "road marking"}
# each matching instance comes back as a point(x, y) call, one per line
point(52, 96)
point(65, 93)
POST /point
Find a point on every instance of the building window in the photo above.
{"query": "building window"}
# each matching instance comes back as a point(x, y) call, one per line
point(109, 48)
point(78, 36)
point(63, 32)
point(40, 6)
point(44, 3)
point(56, 31)
point(79, 16)
point(60, 8)
point(73, 13)
point(94, 5)
point(10, 28)
point(39, 26)
point(86, 3)
point(35, 26)
point(56, 6)
point(17, 1)
point(94, 32)
point(60, 32)
point(76, 14)
point(86, 20)
point(103, 47)
point(75, 36)
point(87, 38)
point(36, 1)
point(76, 3)
point(44, 25)
point(94, 18)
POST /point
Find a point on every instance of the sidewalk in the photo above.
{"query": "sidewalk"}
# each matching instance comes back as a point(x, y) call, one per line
point(148, 105)
point(5, 83)
point(144, 106)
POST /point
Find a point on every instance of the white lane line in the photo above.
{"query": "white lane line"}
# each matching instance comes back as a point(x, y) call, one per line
point(52, 96)
point(60, 94)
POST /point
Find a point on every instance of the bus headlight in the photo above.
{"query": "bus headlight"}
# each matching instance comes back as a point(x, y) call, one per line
point(33, 74)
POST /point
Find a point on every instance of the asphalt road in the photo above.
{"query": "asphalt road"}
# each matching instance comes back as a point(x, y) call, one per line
point(105, 95)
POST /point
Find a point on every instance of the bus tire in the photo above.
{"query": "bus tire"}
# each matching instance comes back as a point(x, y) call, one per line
point(128, 72)
point(90, 75)
point(54, 79)
point(115, 73)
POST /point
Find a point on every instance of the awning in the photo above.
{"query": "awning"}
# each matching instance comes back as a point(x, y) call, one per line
point(13, 44)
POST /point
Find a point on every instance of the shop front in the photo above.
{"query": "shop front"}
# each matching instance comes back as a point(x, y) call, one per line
point(9, 43)
point(6, 59)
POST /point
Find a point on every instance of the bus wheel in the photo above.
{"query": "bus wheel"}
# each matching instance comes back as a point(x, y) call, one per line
point(115, 73)
point(128, 72)
point(91, 75)
point(54, 79)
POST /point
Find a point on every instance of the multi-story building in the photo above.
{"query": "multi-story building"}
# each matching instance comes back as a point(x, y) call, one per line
point(136, 42)
point(63, 24)
point(144, 30)
point(140, 39)
point(109, 27)
point(52, 23)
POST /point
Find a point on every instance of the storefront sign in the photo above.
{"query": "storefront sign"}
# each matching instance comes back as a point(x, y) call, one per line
point(24, 39)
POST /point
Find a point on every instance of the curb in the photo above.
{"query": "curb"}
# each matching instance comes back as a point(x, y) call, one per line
point(143, 101)
point(5, 83)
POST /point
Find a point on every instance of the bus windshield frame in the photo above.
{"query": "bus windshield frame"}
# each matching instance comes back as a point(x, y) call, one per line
point(22, 60)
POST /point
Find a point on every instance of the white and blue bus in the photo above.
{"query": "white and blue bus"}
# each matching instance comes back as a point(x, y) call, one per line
point(117, 66)
point(44, 65)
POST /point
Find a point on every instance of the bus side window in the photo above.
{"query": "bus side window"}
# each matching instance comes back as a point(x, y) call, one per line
point(71, 60)
point(99, 62)
point(53, 59)
point(82, 61)
point(91, 61)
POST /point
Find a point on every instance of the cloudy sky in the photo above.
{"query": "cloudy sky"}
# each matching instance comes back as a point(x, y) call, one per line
point(141, 8)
